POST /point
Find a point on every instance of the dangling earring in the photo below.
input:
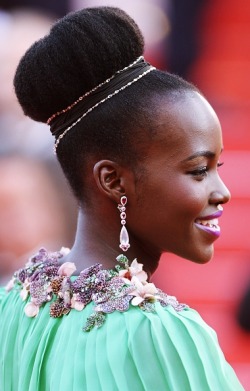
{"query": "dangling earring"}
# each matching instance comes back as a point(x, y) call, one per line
point(124, 238)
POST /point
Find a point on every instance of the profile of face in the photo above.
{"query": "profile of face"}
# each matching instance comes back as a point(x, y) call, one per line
point(177, 204)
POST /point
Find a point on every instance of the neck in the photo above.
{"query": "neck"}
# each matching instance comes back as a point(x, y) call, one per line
point(97, 241)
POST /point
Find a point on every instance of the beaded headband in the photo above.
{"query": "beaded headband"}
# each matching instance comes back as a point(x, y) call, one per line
point(98, 95)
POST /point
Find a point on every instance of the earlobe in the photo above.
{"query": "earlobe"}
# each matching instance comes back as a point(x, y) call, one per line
point(109, 179)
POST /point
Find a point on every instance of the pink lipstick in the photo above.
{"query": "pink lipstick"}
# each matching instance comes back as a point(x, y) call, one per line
point(209, 223)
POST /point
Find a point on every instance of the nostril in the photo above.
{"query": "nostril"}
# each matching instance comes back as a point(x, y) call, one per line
point(219, 198)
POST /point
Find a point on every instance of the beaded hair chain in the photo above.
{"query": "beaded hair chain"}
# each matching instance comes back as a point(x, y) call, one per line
point(97, 104)
point(90, 92)
point(144, 70)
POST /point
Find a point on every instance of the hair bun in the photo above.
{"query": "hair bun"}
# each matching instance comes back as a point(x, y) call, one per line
point(82, 49)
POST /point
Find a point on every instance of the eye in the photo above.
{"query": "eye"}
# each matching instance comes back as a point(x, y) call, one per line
point(199, 173)
point(219, 164)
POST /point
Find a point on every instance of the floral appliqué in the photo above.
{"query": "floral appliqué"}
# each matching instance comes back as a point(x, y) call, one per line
point(44, 280)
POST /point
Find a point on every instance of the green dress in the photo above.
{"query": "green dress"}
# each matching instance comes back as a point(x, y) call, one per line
point(104, 331)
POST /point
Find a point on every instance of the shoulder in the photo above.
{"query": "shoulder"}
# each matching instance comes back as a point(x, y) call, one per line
point(178, 348)
point(129, 326)
point(164, 349)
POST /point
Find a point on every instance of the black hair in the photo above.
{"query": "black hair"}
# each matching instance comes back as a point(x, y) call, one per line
point(82, 50)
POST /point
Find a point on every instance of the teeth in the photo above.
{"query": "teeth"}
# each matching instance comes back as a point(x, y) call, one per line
point(210, 223)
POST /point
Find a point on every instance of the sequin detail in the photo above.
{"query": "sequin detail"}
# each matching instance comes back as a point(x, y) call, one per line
point(44, 279)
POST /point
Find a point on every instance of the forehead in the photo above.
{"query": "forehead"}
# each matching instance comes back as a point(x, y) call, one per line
point(186, 123)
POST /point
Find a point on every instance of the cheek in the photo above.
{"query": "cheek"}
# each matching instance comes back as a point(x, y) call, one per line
point(186, 197)
point(170, 205)
point(190, 205)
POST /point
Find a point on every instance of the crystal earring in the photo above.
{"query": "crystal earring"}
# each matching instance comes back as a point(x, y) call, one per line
point(124, 238)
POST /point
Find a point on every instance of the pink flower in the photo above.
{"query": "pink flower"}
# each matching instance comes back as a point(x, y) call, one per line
point(64, 251)
point(77, 305)
point(10, 285)
point(67, 269)
point(25, 290)
point(142, 291)
point(24, 294)
point(31, 309)
point(134, 270)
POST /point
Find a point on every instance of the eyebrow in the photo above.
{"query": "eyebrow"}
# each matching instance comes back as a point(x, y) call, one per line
point(207, 154)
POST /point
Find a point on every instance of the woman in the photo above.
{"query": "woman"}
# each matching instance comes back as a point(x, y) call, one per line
point(127, 136)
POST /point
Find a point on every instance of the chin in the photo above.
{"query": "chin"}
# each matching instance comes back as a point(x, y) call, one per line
point(204, 257)
point(201, 256)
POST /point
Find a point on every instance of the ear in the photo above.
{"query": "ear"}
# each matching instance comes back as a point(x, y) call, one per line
point(112, 180)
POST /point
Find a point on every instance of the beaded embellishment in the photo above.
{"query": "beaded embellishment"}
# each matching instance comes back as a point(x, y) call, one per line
point(98, 104)
point(44, 280)
point(93, 90)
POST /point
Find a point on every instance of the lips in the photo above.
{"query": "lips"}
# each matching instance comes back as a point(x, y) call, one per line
point(209, 223)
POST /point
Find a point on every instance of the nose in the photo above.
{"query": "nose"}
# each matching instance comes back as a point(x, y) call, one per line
point(221, 194)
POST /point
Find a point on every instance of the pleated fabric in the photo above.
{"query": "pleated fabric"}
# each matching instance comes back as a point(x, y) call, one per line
point(133, 351)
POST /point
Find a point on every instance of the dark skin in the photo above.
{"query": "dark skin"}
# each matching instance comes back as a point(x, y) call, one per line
point(181, 184)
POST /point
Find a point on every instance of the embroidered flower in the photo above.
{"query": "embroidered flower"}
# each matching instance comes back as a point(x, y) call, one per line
point(65, 293)
point(134, 270)
point(25, 290)
point(115, 296)
point(166, 300)
point(76, 303)
point(10, 285)
point(57, 309)
point(143, 292)
point(90, 281)
point(67, 269)
point(31, 309)
point(64, 251)
point(56, 284)
point(43, 280)
point(40, 290)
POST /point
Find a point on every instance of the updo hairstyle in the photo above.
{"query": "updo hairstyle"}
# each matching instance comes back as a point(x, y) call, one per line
point(82, 50)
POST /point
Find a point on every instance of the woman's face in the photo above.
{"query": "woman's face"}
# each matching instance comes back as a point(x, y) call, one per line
point(175, 207)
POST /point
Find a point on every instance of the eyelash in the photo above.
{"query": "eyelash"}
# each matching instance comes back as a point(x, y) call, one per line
point(202, 172)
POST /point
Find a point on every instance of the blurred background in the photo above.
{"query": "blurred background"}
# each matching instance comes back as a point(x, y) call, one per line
point(206, 42)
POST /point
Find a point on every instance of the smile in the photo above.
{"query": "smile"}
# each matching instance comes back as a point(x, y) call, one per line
point(210, 226)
